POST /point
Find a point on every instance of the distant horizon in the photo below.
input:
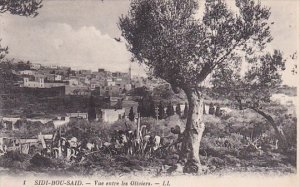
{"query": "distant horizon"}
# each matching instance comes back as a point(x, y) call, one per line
point(14, 60)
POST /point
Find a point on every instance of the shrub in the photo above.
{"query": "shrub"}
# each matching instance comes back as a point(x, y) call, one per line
point(14, 159)
point(40, 161)
point(15, 156)
point(214, 126)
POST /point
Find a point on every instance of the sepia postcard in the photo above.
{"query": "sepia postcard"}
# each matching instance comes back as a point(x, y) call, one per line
point(160, 93)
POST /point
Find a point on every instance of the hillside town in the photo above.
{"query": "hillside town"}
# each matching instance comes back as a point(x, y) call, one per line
point(146, 88)
point(76, 82)
point(109, 97)
point(41, 81)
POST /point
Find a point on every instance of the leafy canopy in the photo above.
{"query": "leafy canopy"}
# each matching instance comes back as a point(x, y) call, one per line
point(166, 36)
point(21, 7)
point(262, 77)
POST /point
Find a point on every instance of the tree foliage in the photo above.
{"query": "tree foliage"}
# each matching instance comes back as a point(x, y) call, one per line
point(256, 86)
point(185, 111)
point(131, 114)
point(91, 109)
point(152, 111)
point(211, 110)
point(161, 111)
point(178, 110)
point(183, 50)
point(218, 111)
point(7, 77)
point(139, 91)
point(21, 8)
point(3, 51)
point(253, 89)
point(170, 110)
point(146, 106)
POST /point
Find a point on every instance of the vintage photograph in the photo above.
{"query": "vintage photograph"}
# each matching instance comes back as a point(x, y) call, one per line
point(147, 89)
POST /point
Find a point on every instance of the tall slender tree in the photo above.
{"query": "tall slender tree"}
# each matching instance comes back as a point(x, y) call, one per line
point(139, 108)
point(161, 111)
point(169, 110)
point(172, 109)
point(131, 114)
point(185, 111)
point(211, 110)
point(218, 111)
point(152, 112)
point(183, 50)
point(91, 109)
point(178, 110)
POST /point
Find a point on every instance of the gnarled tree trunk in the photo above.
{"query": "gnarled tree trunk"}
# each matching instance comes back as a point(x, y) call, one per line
point(283, 143)
point(193, 132)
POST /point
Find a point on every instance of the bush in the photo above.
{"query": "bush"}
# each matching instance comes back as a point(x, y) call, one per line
point(15, 156)
point(163, 127)
point(40, 161)
point(14, 159)
point(214, 126)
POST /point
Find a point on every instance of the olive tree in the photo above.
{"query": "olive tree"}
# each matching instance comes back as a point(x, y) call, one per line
point(180, 48)
point(21, 8)
point(253, 88)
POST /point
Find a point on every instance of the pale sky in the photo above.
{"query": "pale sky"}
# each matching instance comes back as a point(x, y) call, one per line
point(80, 34)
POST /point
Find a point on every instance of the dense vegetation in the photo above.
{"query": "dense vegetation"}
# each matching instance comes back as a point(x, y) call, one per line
point(238, 141)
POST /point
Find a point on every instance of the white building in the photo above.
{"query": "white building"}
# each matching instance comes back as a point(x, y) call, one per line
point(39, 83)
point(94, 85)
point(78, 115)
point(110, 82)
point(112, 115)
point(128, 87)
point(27, 72)
point(35, 66)
point(57, 77)
point(60, 122)
point(53, 66)
point(6, 121)
point(42, 120)
point(73, 82)
point(87, 80)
